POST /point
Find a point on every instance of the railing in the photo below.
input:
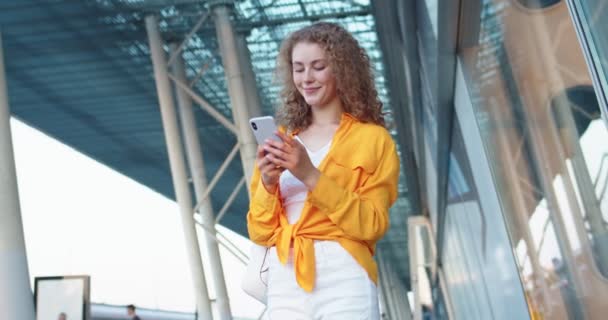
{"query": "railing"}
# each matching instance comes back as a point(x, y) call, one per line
point(603, 164)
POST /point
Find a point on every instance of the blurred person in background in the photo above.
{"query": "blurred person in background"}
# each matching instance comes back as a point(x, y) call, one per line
point(131, 312)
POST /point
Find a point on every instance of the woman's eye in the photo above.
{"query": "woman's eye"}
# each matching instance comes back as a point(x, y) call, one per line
point(319, 68)
point(298, 70)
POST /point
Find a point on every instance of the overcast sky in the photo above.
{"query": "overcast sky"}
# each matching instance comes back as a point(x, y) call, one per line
point(81, 217)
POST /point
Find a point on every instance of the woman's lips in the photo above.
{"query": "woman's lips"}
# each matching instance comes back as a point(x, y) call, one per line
point(310, 90)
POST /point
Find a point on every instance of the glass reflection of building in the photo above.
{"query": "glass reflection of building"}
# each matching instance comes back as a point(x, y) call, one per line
point(524, 230)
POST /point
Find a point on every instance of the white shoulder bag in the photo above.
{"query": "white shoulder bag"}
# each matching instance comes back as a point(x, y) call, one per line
point(255, 280)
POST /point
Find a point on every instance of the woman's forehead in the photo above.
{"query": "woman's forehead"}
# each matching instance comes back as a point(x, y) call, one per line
point(307, 52)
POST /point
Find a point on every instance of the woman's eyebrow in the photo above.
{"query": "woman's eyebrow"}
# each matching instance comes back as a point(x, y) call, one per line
point(312, 62)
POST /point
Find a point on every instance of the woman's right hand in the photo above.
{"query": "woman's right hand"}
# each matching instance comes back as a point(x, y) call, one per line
point(270, 172)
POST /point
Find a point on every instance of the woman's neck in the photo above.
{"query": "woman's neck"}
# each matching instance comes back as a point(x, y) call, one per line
point(327, 115)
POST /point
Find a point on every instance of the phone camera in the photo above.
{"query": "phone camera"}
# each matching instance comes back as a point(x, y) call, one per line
point(254, 126)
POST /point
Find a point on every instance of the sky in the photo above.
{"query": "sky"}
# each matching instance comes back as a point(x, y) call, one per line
point(82, 218)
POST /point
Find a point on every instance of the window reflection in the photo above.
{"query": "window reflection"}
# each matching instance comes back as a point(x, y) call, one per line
point(542, 131)
point(537, 4)
point(593, 15)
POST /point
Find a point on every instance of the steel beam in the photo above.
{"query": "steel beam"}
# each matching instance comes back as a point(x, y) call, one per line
point(178, 167)
point(178, 50)
point(251, 90)
point(197, 172)
point(230, 200)
point(204, 104)
point(217, 177)
point(236, 84)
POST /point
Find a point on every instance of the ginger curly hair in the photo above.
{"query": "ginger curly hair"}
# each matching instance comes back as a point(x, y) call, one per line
point(350, 65)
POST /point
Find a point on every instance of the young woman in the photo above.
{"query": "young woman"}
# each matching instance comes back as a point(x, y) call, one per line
point(320, 198)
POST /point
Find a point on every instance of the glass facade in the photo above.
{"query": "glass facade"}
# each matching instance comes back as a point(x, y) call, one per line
point(478, 263)
point(591, 17)
point(539, 118)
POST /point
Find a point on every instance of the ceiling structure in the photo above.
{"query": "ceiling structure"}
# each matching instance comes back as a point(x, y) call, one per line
point(80, 71)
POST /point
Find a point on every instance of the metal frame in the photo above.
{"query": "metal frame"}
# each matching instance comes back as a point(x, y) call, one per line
point(86, 292)
point(239, 91)
point(475, 149)
point(197, 171)
point(447, 38)
point(598, 75)
point(178, 167)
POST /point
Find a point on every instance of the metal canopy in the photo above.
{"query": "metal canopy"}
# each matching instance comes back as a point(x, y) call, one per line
point(80, 71)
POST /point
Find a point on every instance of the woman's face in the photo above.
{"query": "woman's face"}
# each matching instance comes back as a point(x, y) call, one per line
point(312, 74)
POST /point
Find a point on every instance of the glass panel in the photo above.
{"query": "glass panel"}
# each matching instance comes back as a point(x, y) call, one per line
point(594, 17)
point(426, 35)
point(432, 8)
point(480, 271)
point(540, 121)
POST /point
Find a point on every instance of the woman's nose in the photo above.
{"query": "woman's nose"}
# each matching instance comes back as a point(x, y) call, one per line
point(308, 75)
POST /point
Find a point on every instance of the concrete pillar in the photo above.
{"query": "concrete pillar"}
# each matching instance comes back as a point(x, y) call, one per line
point(178, 167)
point(254, 103)
point(197, 171)
point(16, 299)
point(235, 79)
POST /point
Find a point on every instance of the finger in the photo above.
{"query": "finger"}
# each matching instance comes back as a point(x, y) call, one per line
point(276, 171)
point(274, 144)
point(277, 161)
point(260, 152)
point(268, 168)
point(279, 153)
point(285, 138)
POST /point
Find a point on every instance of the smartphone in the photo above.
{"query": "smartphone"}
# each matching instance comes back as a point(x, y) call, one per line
point(263, 128)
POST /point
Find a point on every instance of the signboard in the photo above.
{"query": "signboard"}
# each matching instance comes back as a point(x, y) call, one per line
point(62, 298)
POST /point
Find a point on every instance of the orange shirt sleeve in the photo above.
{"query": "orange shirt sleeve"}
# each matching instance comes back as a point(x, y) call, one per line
point(264, 211)
point(364, 213)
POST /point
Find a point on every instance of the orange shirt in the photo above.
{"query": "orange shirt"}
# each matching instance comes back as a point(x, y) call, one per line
point(349, 204)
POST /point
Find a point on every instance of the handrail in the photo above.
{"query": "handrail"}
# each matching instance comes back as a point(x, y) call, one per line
point(225, 242)
point(602, 193)
point(599, 172)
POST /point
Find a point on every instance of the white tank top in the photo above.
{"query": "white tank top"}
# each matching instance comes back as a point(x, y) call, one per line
point(293, 191)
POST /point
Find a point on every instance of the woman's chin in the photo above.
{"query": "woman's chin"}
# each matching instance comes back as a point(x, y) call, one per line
point(312, 102)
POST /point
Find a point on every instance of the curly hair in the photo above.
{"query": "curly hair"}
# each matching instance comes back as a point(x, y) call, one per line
point(350, 66)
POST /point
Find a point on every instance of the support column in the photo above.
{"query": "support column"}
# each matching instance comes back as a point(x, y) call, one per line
point(178, 167)
point(199, 178)
point(254, 103)
point(236, 83)
point(16, 299)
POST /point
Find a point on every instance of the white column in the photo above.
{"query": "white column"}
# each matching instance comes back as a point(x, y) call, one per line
point(251, 90)
point(236, 83)
point(178, 167)
point(16, 299)
point(199, 178)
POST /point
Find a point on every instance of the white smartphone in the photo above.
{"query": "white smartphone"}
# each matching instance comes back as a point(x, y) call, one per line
point(263, 128)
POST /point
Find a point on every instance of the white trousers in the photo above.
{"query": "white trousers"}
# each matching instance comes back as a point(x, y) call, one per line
point(343, 290)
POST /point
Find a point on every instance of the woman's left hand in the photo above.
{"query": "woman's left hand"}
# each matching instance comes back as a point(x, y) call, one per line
point(291, 155)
